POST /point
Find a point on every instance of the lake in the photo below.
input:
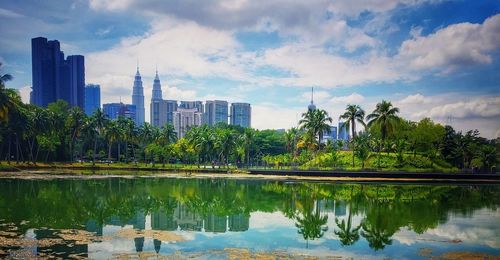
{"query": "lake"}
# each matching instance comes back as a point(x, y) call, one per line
point(217, 218)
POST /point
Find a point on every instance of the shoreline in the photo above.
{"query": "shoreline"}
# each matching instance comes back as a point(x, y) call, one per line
point(320, 176)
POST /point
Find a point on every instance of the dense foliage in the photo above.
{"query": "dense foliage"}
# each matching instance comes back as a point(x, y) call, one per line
point(59, 133)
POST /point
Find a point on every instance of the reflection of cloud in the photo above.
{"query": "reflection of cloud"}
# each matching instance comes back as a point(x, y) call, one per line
point(264, 220)
point(483, 228)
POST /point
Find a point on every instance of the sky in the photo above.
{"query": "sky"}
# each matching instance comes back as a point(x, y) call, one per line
point(431, 58)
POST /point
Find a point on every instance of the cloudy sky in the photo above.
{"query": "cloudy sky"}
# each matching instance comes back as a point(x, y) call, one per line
point(431, 58)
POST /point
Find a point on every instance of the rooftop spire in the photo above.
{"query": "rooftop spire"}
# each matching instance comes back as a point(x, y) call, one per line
point(312, 95)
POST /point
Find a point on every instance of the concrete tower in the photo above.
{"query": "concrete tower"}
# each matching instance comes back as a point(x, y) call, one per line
point(138, 98)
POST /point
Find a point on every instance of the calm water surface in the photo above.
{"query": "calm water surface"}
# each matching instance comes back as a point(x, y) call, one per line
point(228, 218)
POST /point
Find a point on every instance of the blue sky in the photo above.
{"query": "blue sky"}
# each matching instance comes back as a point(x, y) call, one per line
point(431, 58)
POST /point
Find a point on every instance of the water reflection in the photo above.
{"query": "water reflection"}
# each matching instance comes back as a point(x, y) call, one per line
point(208, 214)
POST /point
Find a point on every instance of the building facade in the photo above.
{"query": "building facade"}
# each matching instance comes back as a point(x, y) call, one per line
point(138, 99)
point(342, 132)
point(114, 110)
point(216, 111)
point(185, 119)
point(241, 114)
point(330, 136)
point(92, 98)
point(54, 77)
point(193, 104)
point(156, 101)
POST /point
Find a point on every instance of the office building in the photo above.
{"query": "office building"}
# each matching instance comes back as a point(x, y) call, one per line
point(156, 100)
point(162, 112)
point(138, 98)
point(241, 114)
point(54, 77)
point(193, 104)
point(342, 132)
point(92, 98)
point(114, 110)
point(330, 136)
point(216, 111)
point(185, 119)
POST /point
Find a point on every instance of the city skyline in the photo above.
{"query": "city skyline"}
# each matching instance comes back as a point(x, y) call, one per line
point(428, 62)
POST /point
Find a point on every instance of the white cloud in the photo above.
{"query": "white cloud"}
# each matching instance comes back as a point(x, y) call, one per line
point(453, 46)
point(268, 116)
point(111, 5)
point(353, 98)
point(477, 107)
point(9, 14)
point(313, 67)
point(414, 99)
point(24, 92)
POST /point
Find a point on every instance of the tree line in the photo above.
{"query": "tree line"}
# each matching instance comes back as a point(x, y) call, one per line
point(29, 133)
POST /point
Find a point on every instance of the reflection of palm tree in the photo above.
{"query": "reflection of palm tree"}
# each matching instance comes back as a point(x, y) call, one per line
point(376, 236)
point(347, 235)
point(312, 225)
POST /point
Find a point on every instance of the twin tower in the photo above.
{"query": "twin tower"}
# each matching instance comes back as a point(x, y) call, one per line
point(187, 114)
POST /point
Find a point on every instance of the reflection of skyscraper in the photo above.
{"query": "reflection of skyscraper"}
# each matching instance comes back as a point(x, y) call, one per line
point(92, 226)
point(239, 222)
point(138, 221)
point(216, 224)
point(139, 244)
point(161, 221)
point(157, 244)
point(186, 219)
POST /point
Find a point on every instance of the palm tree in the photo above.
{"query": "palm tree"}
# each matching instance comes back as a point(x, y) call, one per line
point(353, 114)
point(144, 135)
point(291, 140)
point(385, 117)
point(225, 142)
point(316, 122)
point(112, 133)
point(168, 134)
point(9, 98)
point(99, 121)
point(74, 123)
point(247, 139)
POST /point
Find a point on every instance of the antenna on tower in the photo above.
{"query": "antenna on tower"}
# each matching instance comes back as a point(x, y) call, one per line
point(312, 95)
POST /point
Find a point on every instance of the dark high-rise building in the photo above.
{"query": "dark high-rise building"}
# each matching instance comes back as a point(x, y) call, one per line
point(92, 98)
point(241, 114)
point(54, 77)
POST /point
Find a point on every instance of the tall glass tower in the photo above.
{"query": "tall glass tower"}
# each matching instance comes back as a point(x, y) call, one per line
point(156, 103)
point(138, 98)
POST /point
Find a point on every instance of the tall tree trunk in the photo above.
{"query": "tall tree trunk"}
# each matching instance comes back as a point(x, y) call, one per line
point(109, 152)
point(95, 150)
point(118, 158)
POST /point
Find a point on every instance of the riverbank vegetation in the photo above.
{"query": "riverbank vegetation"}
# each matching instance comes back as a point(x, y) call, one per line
point(30, 134)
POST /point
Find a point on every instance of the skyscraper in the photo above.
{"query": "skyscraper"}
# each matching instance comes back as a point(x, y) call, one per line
point(156, 103)
point(185, 119)
point(54, 77)
point(193, 104)
point(342, 132)
point(92, 98)
point(216, 111)
point(241, 114)
point(138, 98)
point(114, 110)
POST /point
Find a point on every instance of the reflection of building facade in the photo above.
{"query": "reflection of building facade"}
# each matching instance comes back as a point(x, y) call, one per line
point(187, 219)
point(239, 222)
point(340, 208)
point(92, 226)
point(216, 224)
point(185, 119)
point(161, 221)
